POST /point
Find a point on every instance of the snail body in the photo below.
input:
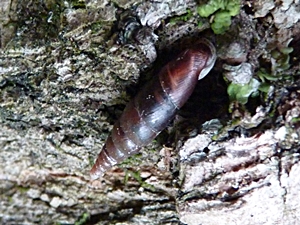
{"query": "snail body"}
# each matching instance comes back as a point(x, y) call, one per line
point(155, 105)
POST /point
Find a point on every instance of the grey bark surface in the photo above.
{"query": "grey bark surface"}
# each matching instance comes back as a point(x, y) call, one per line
point(64, 81)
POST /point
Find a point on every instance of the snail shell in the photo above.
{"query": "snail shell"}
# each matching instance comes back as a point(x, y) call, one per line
point(155, 105)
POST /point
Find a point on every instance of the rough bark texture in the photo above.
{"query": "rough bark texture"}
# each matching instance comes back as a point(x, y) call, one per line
point(64, 80)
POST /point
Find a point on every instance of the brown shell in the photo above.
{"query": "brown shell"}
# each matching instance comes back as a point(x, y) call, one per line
point(155, 105)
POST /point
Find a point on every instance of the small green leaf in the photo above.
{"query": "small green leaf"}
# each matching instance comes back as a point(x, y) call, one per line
point(184, 17)
point(211, 7)
point(83, 219)
point(264, 87)
point(233, 7)
point(295, 120)
point(200, 24)
point(222, 22)
point(275, 54)
point(222, 17)
point(241, 93)
point(286, 50)
point(263, 74)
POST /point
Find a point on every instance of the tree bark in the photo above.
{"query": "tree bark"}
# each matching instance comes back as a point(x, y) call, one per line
point(67, 70)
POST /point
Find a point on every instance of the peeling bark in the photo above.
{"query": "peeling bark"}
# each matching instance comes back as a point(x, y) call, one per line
point(64, 81)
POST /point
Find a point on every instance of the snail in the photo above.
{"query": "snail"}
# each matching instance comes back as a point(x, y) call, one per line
point(146, 115)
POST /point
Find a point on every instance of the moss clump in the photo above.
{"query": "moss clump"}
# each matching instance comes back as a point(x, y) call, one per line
point(221, 12)
point(185, 17)
point(280, 59)
point(241, 93)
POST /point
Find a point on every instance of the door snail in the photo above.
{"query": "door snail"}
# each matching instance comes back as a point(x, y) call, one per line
point(146, 115)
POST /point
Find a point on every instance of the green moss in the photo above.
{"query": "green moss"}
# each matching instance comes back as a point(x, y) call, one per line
point(200, 24)
point(137, 176)
point(210, 7)
point(265, 76)
point(78, 4)
point(23, 189)
point(96, 27)
point(83, 219)
point(281, 59)
point(264, 87)
point(241, 93)
point(221, 12)
point(184, 17)
point(280, 63)
point(295, 120)
point(223, 132)
point(233, 7)
point(221, 23)
point(131, 161)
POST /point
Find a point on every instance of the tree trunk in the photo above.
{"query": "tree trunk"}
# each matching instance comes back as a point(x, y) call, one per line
point(67, 69)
